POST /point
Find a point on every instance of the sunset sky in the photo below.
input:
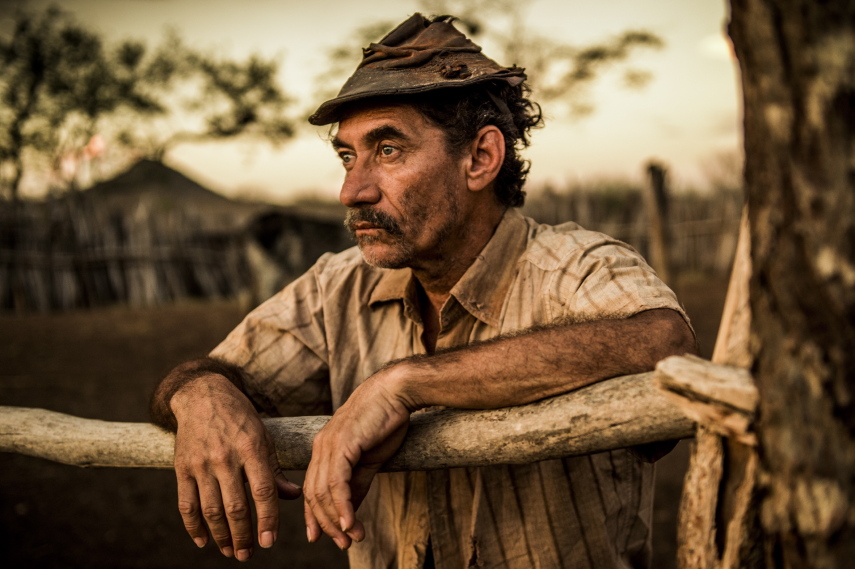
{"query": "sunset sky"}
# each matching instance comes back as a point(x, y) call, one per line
point(687, 116)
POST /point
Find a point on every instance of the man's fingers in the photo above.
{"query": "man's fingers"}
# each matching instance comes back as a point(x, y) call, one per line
point(321, 512)
point(237, 513)
point(340, 494)
point(211, 506)
point(359, 485)
point(313, 529)
point(284, 487)
point(188, 507)
point(329, 527)
point(265, 494)
point(317, 526)
point(325, 500)
point(287, 489)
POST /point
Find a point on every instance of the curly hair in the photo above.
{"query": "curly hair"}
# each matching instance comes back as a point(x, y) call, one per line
point(462, 111)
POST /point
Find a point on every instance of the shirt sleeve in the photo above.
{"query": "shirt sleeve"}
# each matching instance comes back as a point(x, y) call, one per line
point(281, 347)
point(606, 278)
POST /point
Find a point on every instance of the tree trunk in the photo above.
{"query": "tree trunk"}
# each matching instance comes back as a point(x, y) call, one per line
point(797, 59)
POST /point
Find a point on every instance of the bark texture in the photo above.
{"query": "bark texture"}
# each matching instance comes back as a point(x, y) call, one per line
point(797, 59)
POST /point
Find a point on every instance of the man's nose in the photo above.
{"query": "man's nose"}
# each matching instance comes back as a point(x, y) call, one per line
point(359, 187)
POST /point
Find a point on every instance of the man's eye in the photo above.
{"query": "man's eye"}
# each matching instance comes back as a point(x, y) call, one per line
point(387, 150)
point(346, 157)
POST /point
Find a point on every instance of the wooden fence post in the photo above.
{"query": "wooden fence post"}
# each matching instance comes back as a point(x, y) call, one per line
point(718, 513)
point(656, 205)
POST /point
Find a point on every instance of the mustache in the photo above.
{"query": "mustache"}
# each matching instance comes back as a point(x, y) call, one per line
point(374, 217)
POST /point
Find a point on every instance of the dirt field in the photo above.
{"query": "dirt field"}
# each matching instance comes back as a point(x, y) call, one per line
point(103, 364)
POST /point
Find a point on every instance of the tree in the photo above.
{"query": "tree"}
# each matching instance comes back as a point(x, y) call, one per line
point(797, 59)
point(214, 98)
point(559, 73)
point(63, 92)
point(56, 81)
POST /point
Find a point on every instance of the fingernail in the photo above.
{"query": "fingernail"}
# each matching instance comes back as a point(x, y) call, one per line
point(340, 542)
point(199, 541)
point(228, 551)
point(243, 554)
point(266, 539)
point(309, 535)
point(343, 524)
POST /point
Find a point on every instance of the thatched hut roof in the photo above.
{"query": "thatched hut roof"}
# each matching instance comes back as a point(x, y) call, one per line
point(157, 187)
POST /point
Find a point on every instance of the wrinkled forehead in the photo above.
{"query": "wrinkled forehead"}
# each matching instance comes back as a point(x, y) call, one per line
point(370, 114)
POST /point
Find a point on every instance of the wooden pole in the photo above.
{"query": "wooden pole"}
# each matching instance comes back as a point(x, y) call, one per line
point(656, 205)
point(615, 413)
point(718, 510)
point(734, 332)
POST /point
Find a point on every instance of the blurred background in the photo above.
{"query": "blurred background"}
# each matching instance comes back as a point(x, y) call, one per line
point(158, 179)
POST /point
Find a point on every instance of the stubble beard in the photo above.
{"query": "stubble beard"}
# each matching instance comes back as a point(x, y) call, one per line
point(400, 252)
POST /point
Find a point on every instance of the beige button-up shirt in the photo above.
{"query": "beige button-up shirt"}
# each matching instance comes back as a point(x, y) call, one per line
point(308, 347)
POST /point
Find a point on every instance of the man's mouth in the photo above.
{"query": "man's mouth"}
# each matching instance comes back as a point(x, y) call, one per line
point(365, 226)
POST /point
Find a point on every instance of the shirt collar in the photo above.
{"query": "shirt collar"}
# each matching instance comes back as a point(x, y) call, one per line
point(397, 284)
point(482, 288)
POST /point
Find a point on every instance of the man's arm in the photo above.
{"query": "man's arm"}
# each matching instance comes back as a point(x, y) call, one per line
point(220, 440)
point(512, 370)
point(527, 367)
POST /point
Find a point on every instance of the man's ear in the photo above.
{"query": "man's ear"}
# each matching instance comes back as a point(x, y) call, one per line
point(486, 155)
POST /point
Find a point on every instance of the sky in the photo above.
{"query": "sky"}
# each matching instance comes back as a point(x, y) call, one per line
point(687, 116)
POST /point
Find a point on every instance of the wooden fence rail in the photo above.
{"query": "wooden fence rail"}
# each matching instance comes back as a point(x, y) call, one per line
point(621, 412)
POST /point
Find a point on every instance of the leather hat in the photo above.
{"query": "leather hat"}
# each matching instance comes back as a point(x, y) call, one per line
point(419, 55)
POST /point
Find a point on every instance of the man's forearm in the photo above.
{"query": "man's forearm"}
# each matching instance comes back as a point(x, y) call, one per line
point(540, 363)
point(160, 409)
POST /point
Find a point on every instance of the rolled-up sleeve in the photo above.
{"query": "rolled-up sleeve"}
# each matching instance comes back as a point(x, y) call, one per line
point(281, 347)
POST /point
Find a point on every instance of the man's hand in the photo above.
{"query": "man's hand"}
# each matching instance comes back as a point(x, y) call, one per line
point(220, 442)
point(346, 454)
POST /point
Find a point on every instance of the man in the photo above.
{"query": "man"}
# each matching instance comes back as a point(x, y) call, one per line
point(452, 299)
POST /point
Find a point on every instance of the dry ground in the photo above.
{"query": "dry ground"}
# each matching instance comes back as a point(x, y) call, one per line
point(103, 364)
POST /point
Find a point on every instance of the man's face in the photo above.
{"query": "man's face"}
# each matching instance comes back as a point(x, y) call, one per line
point(401, 186)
